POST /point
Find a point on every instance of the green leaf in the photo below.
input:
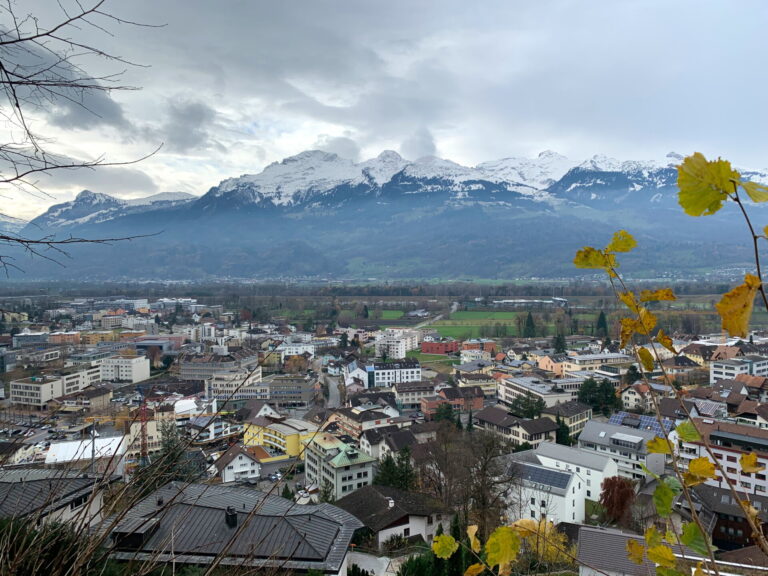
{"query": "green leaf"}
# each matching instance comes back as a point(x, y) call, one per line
point(652, 536)
point(704, 185)
point(663, 496)
point(663, 571)
point(644, 468)
point(502, 548)
point(735, 307)
point(646, 359)
point(659, 445)
point(757, 192)
point(444, 546)
point(687, 432)
point(622, 241)
point(694, 538)
point(662, 555)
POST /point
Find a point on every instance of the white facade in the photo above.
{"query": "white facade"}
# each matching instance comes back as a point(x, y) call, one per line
point(329, 461)
point(36, 391)
point(540, 493)
point(241, 467)
point(395, 344)
point(628, 447)
point(593, 469)
point(386, 375)
point(131, 369)
point(729, 369)
point(237, 385)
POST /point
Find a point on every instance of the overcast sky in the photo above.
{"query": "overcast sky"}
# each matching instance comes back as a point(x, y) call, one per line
point(234, 85)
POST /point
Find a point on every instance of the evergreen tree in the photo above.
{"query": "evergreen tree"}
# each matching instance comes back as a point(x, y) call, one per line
point(608, 399)
point(456, 563)
point(470, 424)
point(387, 473)
point(459, 425)
point(559, 344)
point(588, 393)
point(344, 340)
point(602, 326)
point(287, 494)
point(562, 434)
point(529, 331)
point(444, 412)
point(631, 376)
point(527, 406)
point(405, 474)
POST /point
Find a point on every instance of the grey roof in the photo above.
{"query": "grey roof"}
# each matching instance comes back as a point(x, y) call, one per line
point(601, 432)
point(572, 455)
point(605, 550)
point(567, 409)
point(371, 505)
point(28, 491)
point(270, 531)
point(555, 481)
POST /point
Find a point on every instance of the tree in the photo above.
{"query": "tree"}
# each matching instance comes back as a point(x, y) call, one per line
point(344, 340)
point(631, 376)
point(559, 344)
point(544, 547)
point(287, 493)
point(489, 482)
point(527, 406)
point(616, 498)
point(563, 433)
point(601, 330)
point(326, 493)
point(608, 401)
point(529, 331)
point(444, 412)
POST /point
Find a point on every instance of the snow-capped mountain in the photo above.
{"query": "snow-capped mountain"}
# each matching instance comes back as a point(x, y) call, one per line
point(11, 225)
point(94, 207)
point(319, 214)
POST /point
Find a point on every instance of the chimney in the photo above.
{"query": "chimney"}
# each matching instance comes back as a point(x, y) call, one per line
point(391, 502)
point(160, 501)
point(230, 516)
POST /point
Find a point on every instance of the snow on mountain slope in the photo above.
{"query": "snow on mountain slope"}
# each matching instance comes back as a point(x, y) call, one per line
point(538, 173)
point(384, 166)
point(174, 197)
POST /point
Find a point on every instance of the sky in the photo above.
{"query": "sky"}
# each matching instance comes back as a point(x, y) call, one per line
point(227, 87)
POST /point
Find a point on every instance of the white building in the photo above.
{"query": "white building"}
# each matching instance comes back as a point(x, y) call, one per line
point(131, 369)
point(592, 468)
point(395, 344)
point(237, 464)
point(729, 369)
point(329, 462)
point(37, 391)
point(237, 385)
point(553, 392)
point(542, 493)
point(387, 374)
point(628, 447)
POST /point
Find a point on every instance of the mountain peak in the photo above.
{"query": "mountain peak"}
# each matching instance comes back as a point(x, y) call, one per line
point(311, 156)
point(551, 155)
point(88, 197)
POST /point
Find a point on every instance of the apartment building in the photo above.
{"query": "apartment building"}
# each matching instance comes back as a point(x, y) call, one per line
point(36, 391)
point(628, 447)
point(329, 462)
point(387, 374)
point(201, 367)
point(409, 394)
point(542, 493)
point(729, 369)
point(514, 430)
point(395, 344)
point(551, 391)
point(592, 468)
point(237, 385)
point(592, 362)
point(128, 368)
point(574, 414)
point(279, 435)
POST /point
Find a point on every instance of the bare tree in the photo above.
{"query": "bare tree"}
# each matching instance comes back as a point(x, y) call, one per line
point(40, 69)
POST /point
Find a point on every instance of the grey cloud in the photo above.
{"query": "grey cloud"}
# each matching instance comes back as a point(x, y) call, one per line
point(188, 126)
point(88, 110)
point(340, 145)
point(419, 144)
point(113, 180)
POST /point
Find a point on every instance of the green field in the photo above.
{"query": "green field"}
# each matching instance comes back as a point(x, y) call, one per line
point(436, 362)
point(391, 314)
point(483, 315)
point(458, 332)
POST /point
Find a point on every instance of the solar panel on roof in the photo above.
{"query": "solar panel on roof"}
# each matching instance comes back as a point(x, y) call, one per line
point(646, 422)
point(548, 477)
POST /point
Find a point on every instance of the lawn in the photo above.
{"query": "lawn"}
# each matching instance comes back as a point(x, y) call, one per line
point(459, 332)
point(391, 314)
point(483, 315)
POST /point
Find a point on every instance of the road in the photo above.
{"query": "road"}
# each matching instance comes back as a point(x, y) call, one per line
point(454, 307)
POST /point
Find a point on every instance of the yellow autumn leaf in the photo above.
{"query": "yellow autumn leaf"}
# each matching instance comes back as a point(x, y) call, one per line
point(665, 341)
point(635, 551)
point(652, 536)
point(699, 471)
point(765, 231)
point(622, 241)
point(750, 511)
point(589, 257)
point(662, 555)
point(474, 542)
point(704, 185)
point(629, 327)
point(526, 526)
point(757, 192)
point(698, 571)
point(474, 570)
point(646, 359)
point(444, 546)
point(735, 307)
point(502, 548)
point(629, 300)
point(647, 321)
point(670, 537)
point(659, 445)
point(657, 295)
point(749, 463)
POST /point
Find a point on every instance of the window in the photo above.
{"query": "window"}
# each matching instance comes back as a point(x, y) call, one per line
point(533, 514)
point(533, 501)
point(407, 532)
point(543, 503)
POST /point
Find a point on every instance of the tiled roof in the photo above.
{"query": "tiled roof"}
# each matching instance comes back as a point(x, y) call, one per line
point(371, 505)
point(567, 409)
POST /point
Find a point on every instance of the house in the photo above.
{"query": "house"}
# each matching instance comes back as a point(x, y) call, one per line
point(699, 352)
point(209, 429)
point(730, 368)
point(514, 430)
point(354, 421)
point(731, 528)
point(45, 495)
point(573, 414)
point(592, 468)
point(542, 493)
point(485, 381)
point(387, 374)
point(332, 464)
point(627, 446)
point(195, 524)
point(409, 394)
point(554, 363)
point(237, 464)
point(483, 344)
point(386, 512)
point(637, 397)
point(91, 399)
point(371, 441)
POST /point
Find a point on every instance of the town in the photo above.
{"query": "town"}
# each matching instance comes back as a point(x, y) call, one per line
point(151, 419)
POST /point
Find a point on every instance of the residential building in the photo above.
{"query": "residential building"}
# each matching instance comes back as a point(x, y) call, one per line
point(627, 446)
point(209, 429)
point(279, 435)
point(554, 363)
point(730, 528)
point(514, 430)
point(255, 531)
point(295, 391)
point(592, 362)
point(592, 468)
point(236, 465)
point(542, 493)
point(573, 413)
point(125, 368)
point(45, 495)
point(440, 346)
point(552, 392)
point(409, 394)
point(394, 344)
point(202, 367)
point(354, 421)
point(486, 382)
point(638, 398)
point(389, 512)
point(387, 374)
point(483, 344)
point(236, 385)
point(731, 368)
point(332, 464)
point(90, 399)
point(36, 391)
